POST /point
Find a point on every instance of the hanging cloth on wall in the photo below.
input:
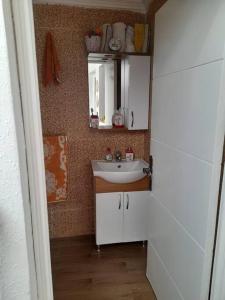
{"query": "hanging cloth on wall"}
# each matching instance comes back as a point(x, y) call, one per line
point(56, 167)
point(51, 62)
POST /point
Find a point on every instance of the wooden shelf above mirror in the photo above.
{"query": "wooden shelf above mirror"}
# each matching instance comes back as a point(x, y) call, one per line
point(113, 55)
point(124, 129)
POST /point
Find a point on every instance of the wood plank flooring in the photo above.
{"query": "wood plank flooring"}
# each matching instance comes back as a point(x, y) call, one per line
point(117, 273)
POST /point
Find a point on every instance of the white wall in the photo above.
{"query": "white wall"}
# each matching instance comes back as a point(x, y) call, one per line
point(15, 264)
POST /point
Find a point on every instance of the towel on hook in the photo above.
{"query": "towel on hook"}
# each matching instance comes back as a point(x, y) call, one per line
point(51, 64)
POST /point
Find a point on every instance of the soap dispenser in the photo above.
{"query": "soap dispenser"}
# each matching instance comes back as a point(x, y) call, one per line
point(117, 119)
point(129, 154)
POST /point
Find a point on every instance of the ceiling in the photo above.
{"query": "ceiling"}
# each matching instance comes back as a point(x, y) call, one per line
point(132, 5)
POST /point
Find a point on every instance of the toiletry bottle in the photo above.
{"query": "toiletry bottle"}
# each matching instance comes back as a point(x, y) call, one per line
point(113, 118)
point(94, 119)
point(121, 117)
point(108, 155)
point(129, 154)
point(117, 119)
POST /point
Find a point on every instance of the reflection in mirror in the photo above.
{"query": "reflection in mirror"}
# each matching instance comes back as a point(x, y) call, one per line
point(104, 90)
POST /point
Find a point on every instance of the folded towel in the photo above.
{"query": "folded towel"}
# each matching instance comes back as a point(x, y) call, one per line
point(55, 153)
point(51, 66)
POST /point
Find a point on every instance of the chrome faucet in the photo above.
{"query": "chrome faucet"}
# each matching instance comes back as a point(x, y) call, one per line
point(117, 155)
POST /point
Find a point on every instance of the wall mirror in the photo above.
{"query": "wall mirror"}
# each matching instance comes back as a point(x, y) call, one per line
point(119, 91)
point(104, 83)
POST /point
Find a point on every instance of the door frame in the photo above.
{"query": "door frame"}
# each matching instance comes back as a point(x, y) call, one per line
point(23, 58)
point(217, 288)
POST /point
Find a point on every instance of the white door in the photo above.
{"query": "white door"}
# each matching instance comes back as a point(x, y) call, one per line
point(135, 216)
point(137, 78)
point(186, 144)
point(109, 218)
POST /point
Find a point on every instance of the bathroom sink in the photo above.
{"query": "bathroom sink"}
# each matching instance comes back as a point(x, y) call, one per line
point(119, 172)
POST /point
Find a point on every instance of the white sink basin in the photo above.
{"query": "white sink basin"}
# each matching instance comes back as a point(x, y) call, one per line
point(119, 172)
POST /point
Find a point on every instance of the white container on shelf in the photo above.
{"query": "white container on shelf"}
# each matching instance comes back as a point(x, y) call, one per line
point(93, 43)
point(130, 39)
point(106, 37)
point(119, 33)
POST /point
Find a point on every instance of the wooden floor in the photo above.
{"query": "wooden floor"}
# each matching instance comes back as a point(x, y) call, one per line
point(117, 273)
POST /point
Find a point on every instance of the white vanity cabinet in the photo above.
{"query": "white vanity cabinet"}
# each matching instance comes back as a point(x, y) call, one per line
point(109, 218)
point(135, 91)
point(135, 207)
point(121, 217)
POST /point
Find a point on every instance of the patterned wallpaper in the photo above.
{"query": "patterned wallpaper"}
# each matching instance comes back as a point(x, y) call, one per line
point(65, 110)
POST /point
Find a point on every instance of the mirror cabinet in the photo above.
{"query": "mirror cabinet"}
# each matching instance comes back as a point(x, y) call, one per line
point(119, 86)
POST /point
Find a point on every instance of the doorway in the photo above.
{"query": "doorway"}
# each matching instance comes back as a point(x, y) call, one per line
point(34, 143)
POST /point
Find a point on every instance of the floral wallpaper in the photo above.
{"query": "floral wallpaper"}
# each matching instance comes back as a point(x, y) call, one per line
point(65, 110)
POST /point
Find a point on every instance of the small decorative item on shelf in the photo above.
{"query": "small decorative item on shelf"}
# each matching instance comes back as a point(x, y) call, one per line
point(117, 119)
point(119, 34)
point(93, 40)
point(130, 39)
point(108, 155)
point(115, 44)
point(106, 37)
point(139, 36)
point(129, 154)
point(94, 120)
point(118, 37)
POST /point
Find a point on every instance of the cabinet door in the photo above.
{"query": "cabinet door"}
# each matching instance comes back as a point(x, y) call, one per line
point(137, 98)
point(109, 218)
point(135, 223)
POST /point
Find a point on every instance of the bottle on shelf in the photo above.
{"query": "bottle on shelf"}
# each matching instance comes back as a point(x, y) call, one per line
point(94, 119)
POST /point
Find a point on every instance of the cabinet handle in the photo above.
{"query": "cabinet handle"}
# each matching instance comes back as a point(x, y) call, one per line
point(132, 121)
point(127, 207)
point(119, 202)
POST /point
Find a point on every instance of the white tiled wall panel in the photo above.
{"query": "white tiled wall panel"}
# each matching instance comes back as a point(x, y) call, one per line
point(184, 109)
point(186, 185)
point(182, 257)
point(164, 288)
point(188, 33)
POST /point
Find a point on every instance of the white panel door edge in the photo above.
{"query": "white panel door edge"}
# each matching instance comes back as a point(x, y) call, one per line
point(218, 287)
point(188, 108)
